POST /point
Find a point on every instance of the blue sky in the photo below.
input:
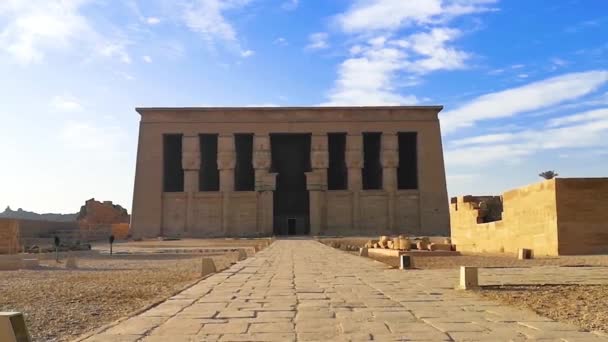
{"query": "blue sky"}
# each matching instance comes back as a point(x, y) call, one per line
point(524, 83)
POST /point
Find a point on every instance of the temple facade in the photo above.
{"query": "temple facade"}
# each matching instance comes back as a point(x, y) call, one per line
point(240, 172)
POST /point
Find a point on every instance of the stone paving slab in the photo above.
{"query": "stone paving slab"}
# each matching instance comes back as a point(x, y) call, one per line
point(301, 290)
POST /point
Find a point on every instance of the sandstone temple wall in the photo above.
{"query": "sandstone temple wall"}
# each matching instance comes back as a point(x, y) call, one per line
point(351, 211)
point(582, 214)
point(554, 217)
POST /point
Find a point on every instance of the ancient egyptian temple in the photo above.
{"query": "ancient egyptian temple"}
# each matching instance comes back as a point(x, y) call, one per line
point(206, 172)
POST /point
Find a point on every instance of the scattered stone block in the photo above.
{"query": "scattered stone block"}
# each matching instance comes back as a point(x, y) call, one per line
point(440, 247)
point(524, 254)
point(405, 262)
point(447, 241)
point(363, 252)
point(468, 278)
point(31, 263)
point(207, 266)
point(13, 328)
point(71, 263)
point(242, 254)
point(390, 244)
point(422, 245)
point(404, 244)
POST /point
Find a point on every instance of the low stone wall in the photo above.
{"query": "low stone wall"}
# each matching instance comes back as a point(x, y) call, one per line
point(9, 236)
point(554, 217)
point(529, 220)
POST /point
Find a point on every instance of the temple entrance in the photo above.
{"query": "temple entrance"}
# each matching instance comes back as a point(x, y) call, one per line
point(291, 159)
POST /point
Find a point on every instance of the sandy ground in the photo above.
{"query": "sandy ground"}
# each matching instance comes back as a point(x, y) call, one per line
point(61, 304)
point(583, 305)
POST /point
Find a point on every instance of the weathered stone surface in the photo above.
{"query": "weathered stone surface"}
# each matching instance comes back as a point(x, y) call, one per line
point(305, 290)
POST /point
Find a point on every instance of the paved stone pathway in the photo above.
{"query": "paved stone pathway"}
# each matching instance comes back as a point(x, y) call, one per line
point(305, 291)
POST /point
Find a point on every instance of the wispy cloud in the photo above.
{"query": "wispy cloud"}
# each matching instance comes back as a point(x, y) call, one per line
point(385, 57)
point(530, 97)
point(389, 15)
point(318, 41)
point(580, 131)
point(65, 103)
point(35, 28)
point(290, 5)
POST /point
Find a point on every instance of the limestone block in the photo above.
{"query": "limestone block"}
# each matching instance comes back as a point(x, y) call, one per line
point(524, 253)
point(13, 328)
point(71, 263)
point(389, 244)
point(207, 266)
point(422, 245)
point(316, 180)
point(440, 247)
point(318, 142)
point(404, 244)
point(242, 254)
point(363, 251)
point(261, 143)
point(468, 278)
point(396, 244)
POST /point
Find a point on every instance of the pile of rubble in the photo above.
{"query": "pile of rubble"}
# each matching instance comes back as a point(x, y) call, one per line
point(405, 243)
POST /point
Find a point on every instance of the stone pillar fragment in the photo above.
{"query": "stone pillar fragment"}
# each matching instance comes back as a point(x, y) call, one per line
point(354, 163)
point(191, 163)
point(316, 183)
point(389, 158)
point(265, 183)
point(226, 162)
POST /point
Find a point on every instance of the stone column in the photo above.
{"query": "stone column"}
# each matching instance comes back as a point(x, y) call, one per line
point(316, 183)
point(354, 163)
point(191, 163)
point(389, 158)
point(265, 183)
point(226, 162)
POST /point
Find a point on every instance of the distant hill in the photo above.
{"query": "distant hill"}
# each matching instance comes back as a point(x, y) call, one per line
point(30, 215)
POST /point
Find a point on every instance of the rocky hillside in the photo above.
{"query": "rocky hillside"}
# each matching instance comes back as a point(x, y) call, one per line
point(30, 215)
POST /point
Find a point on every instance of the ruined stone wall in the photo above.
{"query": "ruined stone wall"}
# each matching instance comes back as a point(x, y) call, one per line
point(529, 220)
point(9, 236)
point(582, 215)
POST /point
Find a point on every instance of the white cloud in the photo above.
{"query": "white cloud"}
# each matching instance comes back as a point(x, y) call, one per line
point(367, 78)
point(281, 41)
point(318, 41)
point(65, 103)
point(576, 131)
point(115, 49)
point(34, 27)
point(392, 59)
point(523, 99)
point(207, 18)
point(290, 5)
point(366, 15)
point(247, 53)
point(147, 59)
point(152, 20)
point(592, 115)
point(436, 55)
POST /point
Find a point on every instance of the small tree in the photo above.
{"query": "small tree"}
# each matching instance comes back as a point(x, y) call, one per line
point(548, 174)
point(111, 243)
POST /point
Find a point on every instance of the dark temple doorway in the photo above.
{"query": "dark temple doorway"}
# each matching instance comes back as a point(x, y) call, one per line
point(291, 159)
